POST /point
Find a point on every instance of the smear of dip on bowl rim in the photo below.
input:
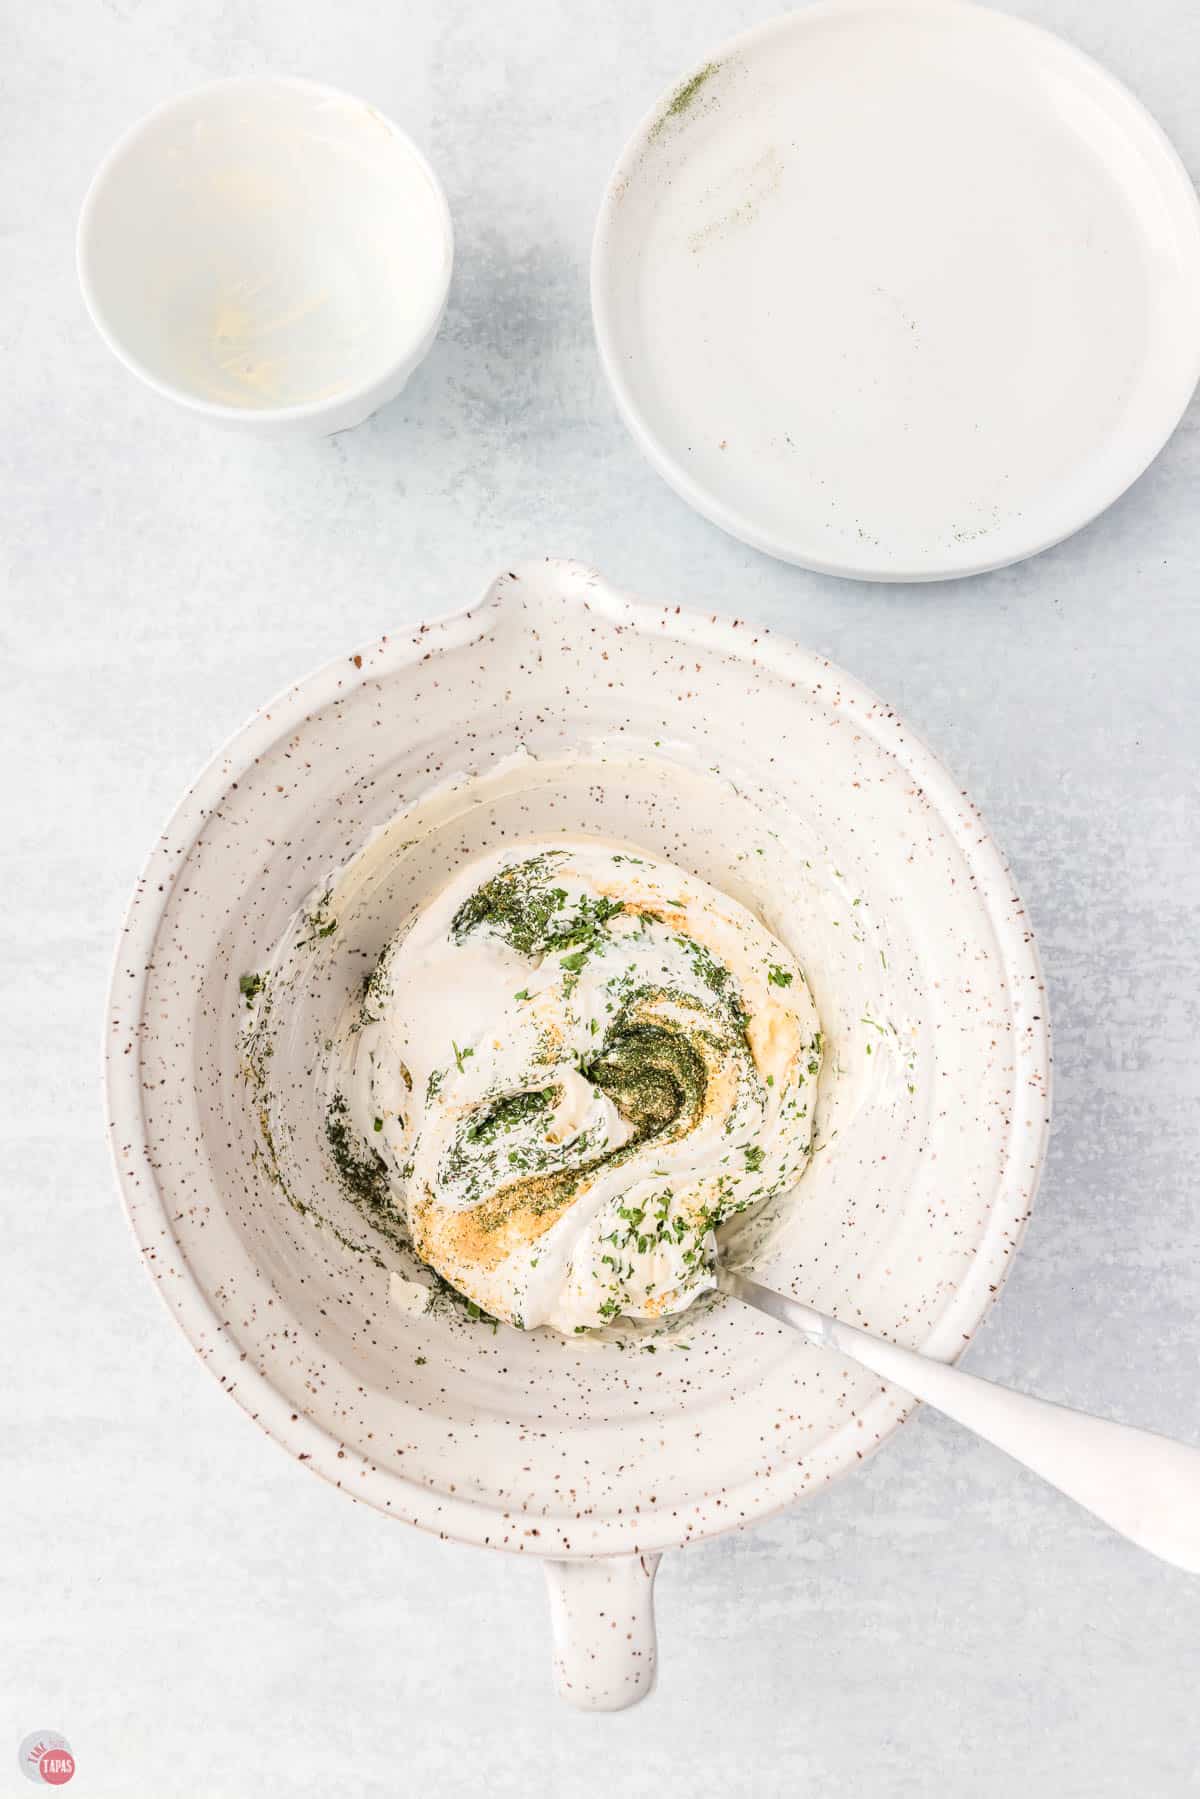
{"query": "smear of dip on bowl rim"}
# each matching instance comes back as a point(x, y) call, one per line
point(567, 1070)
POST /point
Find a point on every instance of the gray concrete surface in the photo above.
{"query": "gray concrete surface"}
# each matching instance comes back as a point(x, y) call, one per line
point(194, 1614)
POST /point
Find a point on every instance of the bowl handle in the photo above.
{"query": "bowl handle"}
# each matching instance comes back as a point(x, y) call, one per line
point(602, 1614)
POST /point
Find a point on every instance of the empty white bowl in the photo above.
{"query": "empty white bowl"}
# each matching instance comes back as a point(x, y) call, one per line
point(268, 252)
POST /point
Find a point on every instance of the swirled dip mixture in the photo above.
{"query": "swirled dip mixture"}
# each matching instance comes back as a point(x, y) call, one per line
point(574, 1064)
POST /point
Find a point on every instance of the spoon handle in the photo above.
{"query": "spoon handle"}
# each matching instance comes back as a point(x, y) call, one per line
point(1143, 1485)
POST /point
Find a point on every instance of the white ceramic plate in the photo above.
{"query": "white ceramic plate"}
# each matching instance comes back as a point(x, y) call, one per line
point(902, 289)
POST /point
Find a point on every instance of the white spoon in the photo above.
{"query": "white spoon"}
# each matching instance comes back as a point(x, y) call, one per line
point(1143, 1485)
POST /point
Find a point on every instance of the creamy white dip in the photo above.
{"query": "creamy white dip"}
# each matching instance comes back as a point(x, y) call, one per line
point(369, 982)
point(574, 1063)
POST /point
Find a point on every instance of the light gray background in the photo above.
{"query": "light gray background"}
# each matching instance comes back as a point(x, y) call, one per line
point(195, 1614)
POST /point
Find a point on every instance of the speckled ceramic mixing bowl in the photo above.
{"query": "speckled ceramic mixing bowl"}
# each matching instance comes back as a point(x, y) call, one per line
point(931, 1115)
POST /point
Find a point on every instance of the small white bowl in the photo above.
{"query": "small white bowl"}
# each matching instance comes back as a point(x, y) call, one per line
point(270, 253)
